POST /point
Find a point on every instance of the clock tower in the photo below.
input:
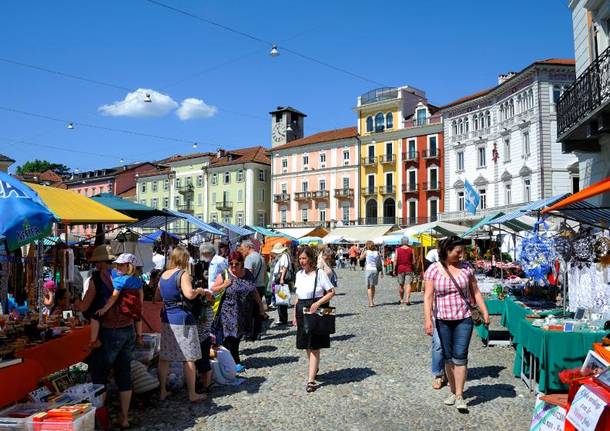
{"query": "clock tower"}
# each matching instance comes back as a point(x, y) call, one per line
point(286, 125)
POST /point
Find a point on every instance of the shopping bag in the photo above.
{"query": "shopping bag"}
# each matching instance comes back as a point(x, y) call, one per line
point(322, 322)
point(282, 294)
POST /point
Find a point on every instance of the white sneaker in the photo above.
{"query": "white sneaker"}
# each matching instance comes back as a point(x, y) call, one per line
point(460, 404)
point(450, 400)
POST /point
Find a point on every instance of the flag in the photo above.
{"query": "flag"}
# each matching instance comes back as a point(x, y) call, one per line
point(471, 197)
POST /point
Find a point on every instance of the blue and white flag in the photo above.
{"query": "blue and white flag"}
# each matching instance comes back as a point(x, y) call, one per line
point(472, 198)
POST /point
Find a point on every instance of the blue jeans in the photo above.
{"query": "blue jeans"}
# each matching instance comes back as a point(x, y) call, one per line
point(115, 353)
point(438, 362)
point(455, 339)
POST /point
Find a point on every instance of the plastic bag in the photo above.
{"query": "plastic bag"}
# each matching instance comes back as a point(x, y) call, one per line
point(282, 294)
point(223, 367)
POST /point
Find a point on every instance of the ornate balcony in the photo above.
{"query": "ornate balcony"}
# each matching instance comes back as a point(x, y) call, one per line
point(387, 190)
point(303, 196)
point(410, 188)
point(224, 206)
point(583, 110)
point(411, 157)
point(187, 189)
point(321, 194)
point(431, 154)
point(369, 191)
point(369, 161)
point(387, 159)
point(281, 197)
point(346, 193)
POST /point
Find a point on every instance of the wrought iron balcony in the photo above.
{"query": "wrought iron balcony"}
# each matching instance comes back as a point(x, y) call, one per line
point(369, 191)
point(369, 161)
point(387, 190)
point(431, 154)
point(186, 189)
point(411, 156)
point(224, 205)
point(345, 193)
point(303, 196)
point(421, 122)
point(583, 110)
point(387, 159)
point(321, 194)
point(433, 186)
point(410, 188)
point(281, 197)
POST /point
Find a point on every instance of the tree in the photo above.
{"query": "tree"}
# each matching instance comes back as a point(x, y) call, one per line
point(42, 166)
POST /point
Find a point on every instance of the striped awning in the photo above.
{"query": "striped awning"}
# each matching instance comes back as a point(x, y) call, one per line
point(228, 227)
point(526, 209)
point(585, 212)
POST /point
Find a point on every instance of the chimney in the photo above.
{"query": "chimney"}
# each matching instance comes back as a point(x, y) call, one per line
point(220, 153)
point(503, 78)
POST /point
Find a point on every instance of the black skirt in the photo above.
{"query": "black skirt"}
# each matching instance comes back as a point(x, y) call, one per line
point(309, 341)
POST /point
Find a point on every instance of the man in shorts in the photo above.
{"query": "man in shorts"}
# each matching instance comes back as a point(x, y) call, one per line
point(354, 252)
point(403, 267)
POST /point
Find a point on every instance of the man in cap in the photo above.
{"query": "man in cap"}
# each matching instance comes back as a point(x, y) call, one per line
point(279, 271)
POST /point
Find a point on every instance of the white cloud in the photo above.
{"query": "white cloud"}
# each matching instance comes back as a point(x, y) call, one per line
point(195, 108)
point(135, 105)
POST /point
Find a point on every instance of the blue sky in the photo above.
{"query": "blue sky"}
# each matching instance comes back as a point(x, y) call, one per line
point(447, 48)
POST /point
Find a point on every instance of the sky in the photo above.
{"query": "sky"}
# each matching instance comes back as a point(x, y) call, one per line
point(215, 87)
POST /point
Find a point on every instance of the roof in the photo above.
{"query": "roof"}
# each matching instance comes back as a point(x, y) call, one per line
point(73, 208)
point(243, 155)
point(287, 108)
point(4, 158)
point(548, 61)
point(129, 193)
point(326, 136)
point(154, 172)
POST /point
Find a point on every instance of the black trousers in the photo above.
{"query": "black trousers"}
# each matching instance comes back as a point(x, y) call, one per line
point(282, 312)
point(232, 345)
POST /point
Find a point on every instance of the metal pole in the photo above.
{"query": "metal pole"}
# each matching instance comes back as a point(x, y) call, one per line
point(38, 274)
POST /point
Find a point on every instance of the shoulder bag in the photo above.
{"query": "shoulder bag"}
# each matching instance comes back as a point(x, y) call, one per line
point(322, 322)
point(475, 312)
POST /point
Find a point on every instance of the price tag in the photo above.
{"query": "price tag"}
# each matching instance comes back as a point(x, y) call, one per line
point(547, 417)
point(586, 410)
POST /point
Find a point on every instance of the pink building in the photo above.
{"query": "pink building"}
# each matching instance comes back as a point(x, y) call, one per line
point(314, 179)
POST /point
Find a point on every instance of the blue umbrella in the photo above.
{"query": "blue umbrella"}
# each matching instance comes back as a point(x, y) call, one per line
point(23, 216)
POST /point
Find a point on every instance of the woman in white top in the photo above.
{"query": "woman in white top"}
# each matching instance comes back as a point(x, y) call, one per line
point(371, 257)
point(313, 289)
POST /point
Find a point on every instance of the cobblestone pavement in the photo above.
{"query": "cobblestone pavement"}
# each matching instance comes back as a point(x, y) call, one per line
point(376, 375)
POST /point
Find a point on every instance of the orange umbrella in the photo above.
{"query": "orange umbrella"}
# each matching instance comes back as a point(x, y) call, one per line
point(593, 190)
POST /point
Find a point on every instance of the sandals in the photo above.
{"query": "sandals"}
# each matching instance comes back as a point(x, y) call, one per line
point(438, 382)
point(311, 387)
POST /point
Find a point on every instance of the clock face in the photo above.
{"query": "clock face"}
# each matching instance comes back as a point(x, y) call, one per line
point(278, 134)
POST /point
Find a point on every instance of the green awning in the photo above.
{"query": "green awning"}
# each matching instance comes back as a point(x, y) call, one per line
point(131, 209)
point(485, 220)
point(269, 232)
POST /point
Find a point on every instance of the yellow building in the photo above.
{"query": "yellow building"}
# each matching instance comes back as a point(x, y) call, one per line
point(381, 113)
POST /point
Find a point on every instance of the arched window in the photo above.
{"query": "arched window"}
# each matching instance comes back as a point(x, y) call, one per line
point(454, 128)
point(461, 126)
point(512, 108)
point(488, 114)
point(475, 122)
point(379, 122)
point(520, 104)
point(389, 121)
point(369, 123)
point(466, 127)
point(481, 121)
point(502, 112)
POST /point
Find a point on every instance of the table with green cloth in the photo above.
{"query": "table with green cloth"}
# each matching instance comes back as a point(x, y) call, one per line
point(494, 306)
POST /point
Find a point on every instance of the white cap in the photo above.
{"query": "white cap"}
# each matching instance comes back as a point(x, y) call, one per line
point(127, 258)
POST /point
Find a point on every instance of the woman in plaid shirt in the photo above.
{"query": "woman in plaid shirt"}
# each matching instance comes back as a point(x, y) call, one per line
point(452, 313)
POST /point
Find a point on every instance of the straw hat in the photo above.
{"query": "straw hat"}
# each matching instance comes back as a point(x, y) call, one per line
point(102, 253)
point(278, 248)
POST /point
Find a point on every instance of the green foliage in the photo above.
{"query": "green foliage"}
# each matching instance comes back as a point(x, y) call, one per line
point(42, 166)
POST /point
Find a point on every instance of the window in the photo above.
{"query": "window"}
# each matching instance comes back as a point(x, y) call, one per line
point(189, 181)
point(433, 179)
point(94, 191)
point(421, 117)
point(346, 182)
point(322, 184)
point(261, 175)
point(527, 190)
point(214, 217)
point(460, 200)
point(388, 150)
point(459, 160)
point(345, 157)
point(155, 185)
point(389, 121)
point(412, 213)
point(226, 218)
point(389, 182)
point(488, 115)
point(369, 123)
point(454, 129)
point(556, 93)
point(304, 214)
point(153, 203)
point(466, 127)
point(322, 160)
point(165, 202)
point(283, 215)
point(226, 196)
point(214, 179)
point(461, 126)
point(142, 189)
point(482, 157)
point(475, 123)
point(199, 180)
point(284, 163)
point(240, 176)
point(261, 219)
point(177, 201)
point(165, 185)
point(371, 150)
point(227, 178)
point(432, 147)
point(261, 195)
point(483, 196)
point(412, 180)
point(508, 194)
point(178, 183)
point(283, 188)
point(379, 122)
point(323, 214)
point(240, 219)
point(526, 144)
point(240, 195)
point(575, 184)
point(433, 203)
point(304, 186)
point(305, 161)
point(143, 201)
point(345, 212)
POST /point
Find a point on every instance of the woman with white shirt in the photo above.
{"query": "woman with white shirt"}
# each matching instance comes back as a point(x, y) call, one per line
point(372, 271)
point(313, 289)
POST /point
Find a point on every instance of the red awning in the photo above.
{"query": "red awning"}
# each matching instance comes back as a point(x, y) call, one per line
point(593, 190)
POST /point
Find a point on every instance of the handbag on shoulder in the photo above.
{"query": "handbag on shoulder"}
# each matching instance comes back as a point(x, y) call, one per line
point(322, 322)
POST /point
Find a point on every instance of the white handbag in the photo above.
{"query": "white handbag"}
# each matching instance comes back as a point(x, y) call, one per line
point(282, 294)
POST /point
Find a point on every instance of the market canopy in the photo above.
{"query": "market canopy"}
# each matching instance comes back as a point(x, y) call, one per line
point(23, 216)
point(593, 190)
point(525, 209)
point(132, 209)
point(310, 240)
point(73, 208)
point(155, 222)
point(441, 227)
point(195, 222)
point(584, 212)
point(300, 232)
point(152, 237)
point(268, 232)
point(362, 233)
point(228, 228)
point(478, 225)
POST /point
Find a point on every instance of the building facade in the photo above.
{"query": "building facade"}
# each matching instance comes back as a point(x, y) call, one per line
point(584, 107)
point(503, 141)
point(315, 178)
point(391, 123)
